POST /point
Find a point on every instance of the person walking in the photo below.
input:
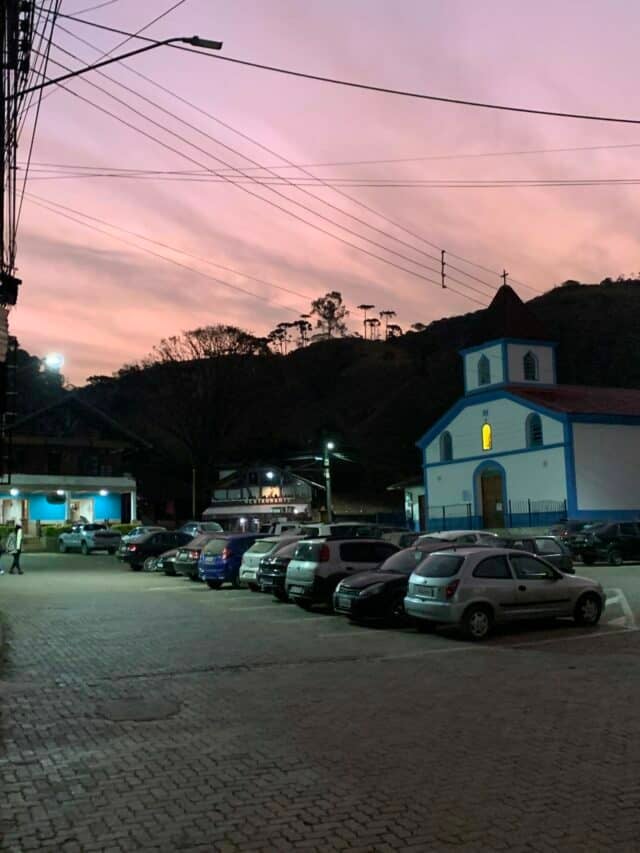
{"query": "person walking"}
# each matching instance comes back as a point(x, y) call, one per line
point(14, 547)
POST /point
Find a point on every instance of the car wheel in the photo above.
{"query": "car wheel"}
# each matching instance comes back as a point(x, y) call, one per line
point(477, 622)
point(588, 559)
point(62, 547)
point(111, 551)
point(254, 587)
point(615, 557)
point(84, 548)
point(396, 609)
point(214, 584)
point(147, 566)
point(171, 573)
point(280, 596)
point(588, 609)
point(305, 605)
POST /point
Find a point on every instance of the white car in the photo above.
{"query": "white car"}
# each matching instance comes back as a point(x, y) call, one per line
point(89, 537)
point(460, 537)
point(266, 547)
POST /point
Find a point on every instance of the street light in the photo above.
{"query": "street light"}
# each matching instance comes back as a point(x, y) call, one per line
point(194, 41)
point(326, 467)
point(270, 475)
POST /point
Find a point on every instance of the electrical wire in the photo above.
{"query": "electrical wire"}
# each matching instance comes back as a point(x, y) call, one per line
point(145, 27)
point(335, 81)
point(95, 8)
point(234, 182)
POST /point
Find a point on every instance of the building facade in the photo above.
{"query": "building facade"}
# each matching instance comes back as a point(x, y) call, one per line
point(521, 450)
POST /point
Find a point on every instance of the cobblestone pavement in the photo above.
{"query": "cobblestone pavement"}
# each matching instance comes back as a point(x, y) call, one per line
point(282, 730)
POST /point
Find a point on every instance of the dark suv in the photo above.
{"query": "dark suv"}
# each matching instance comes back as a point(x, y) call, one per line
point(614, 542)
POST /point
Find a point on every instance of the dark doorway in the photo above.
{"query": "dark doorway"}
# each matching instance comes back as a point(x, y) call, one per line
point(492, 490)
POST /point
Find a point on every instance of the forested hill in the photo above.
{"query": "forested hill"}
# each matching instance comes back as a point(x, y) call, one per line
point(374, 398)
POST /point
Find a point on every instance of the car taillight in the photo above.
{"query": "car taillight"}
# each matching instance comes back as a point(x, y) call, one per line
point(132, 547)
point(450, 590)
point(193, 555)
point(226, 553)
point(325, 554)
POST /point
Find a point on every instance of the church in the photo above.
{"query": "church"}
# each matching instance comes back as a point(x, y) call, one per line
point(519, 449)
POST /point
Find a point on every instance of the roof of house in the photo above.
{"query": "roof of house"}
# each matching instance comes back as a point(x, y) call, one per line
point(508, 317)
point(582, 399)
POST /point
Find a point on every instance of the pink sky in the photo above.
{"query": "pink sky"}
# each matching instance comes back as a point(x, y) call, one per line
point(104, 303)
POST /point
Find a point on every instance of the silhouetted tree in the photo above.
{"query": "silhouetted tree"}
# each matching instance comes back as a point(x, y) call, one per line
point(330, 313)
point(387, 316)
point(365, 309)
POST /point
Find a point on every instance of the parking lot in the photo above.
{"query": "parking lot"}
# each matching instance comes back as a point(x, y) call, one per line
point(148, 712)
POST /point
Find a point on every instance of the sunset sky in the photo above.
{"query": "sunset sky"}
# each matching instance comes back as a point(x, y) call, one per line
point(103, 302)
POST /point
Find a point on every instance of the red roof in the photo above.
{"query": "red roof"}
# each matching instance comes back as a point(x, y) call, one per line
point(582, 399)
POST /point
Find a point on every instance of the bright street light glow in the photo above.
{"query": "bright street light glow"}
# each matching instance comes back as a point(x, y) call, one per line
point(270, 475)
point(331, 445)
point(103, 493)
point(14, 492)
point(60, 492)
point(54, 361)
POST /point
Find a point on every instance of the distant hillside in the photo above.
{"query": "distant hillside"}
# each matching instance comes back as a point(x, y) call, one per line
point(376, 398)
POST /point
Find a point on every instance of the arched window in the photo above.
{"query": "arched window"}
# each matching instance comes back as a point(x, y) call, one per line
point(446, 447)
point(530, 365)
point(534, 431)
point(484, 370)
point(487, 437)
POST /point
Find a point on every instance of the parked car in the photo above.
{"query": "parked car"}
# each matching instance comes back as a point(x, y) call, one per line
point(460, 537)
point(614, 542)
point(549, 548)
point(378, 594)
point(197, 527)
point(152, 545)
point(221, 557)
point(346, 529)
point(401, 538)
point(253, 555)
point(186, 560)
point(89, 537)
point(166, 562)
point(566, 530)
point(476, 588)
point(130, 539)
point(318, 566)
point(140, 530)
point(272, 571)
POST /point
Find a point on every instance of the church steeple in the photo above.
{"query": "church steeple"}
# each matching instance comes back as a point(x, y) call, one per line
point(513, 346)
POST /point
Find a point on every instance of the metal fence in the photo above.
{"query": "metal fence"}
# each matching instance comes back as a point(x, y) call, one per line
point(521, 513)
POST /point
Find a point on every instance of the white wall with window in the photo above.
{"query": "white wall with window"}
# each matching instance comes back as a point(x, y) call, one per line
point(519, 355)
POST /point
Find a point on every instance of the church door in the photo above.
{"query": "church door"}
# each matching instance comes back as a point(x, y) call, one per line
point(491, 484)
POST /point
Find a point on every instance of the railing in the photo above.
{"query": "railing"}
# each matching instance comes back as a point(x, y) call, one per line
point(521, 513)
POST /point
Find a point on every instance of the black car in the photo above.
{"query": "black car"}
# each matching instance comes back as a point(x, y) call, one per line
point(272, 572)
point(614, 542)
point(186, 560)
point(549, 548)
point(152, 545)
point(379, 594)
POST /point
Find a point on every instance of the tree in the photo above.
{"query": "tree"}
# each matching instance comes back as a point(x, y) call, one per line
point(280, 336)
point(304, 327)
point(207, 342)
point(365, 308)
point(330, 313)
point(418, 327)
point(374, 328)
point(393, 331)
point(387, 316)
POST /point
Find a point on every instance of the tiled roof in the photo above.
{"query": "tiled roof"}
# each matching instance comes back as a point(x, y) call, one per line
point(582, 399)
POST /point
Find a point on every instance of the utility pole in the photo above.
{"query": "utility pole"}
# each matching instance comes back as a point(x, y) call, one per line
point(326, 467)
point(442, 272)
point(193, 493)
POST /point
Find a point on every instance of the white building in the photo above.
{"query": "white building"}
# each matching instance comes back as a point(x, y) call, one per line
point(520, 450)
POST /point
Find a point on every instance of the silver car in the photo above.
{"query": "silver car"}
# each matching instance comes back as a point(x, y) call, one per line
point(476, 588)
point(266, 547)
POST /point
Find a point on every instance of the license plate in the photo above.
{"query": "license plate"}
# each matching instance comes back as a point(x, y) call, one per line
point(344, 602)
point(427, 592)
point(296, 590)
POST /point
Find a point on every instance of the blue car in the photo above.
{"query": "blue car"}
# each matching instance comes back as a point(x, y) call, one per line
point(221, 557)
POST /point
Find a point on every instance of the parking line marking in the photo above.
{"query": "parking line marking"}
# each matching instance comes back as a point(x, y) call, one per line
point(166, 588)
point(344, 634)
point(594, 636)
point(251, 607)
point(626, 608)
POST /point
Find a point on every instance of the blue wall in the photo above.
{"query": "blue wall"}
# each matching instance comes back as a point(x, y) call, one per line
point(109, 506)
point(41, 510)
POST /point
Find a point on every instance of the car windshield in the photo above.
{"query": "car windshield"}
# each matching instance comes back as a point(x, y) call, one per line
point(214, 546)
point(210, 527)
point(402, 563)
point(310, 531)
point(262, 546)
point(440, 566)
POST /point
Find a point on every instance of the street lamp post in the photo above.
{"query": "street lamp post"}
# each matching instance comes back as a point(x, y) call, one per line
point(326, 467)
point(194, 41)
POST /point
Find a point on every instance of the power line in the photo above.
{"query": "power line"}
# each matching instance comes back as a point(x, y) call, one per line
point(335, 81)
point(145, 27)
point(234, 182)
point(95, 8)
